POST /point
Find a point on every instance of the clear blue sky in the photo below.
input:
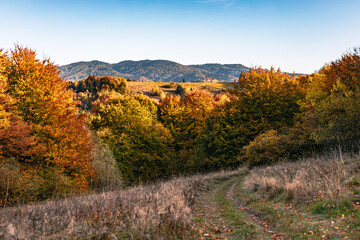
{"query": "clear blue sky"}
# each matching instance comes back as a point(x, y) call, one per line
point(295, 35)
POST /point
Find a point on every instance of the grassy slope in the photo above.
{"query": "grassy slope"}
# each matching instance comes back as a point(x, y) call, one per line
point(146, 87)
point(263, 213)
point(313, 199)
point(156, 211)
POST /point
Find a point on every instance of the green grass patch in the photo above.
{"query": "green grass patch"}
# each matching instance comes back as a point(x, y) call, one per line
point(333, 208)
point(244, 228)
point(290, 221)
point(323, 219)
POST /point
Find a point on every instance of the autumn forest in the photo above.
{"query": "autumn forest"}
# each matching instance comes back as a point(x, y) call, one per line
point(59, 137)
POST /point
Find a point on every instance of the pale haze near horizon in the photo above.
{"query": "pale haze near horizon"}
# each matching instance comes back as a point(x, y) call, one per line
point(297, 36)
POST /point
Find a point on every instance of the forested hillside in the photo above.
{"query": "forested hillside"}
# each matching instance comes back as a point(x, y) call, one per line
point(154, 70)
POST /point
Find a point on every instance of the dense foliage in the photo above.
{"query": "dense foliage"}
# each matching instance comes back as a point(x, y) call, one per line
point(88, 90)
point(141, 145)
point(262, 100)
point(335, 101)
point(46, 148)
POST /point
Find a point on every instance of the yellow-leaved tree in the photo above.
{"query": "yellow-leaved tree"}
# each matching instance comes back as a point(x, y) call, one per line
point(41, 104)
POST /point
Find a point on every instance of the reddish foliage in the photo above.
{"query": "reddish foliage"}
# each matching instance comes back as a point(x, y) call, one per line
point(17, 141)
point(46, 129)
point(345, 70)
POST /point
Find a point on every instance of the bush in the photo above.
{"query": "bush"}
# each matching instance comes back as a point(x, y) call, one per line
point(156, 91)
point(337, 118)
point(262, 100)
point(266, 148)
point(182, 91)
point(273, 146)
point(18, 185)
point(185, 117)
point(162, 95)
point(334, 106)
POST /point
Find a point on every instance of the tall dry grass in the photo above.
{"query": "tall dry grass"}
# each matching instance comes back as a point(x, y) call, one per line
point(157, 211)
point(324, 176)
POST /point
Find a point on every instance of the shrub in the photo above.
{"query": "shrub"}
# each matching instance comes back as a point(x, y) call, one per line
point(336, 119)
point(162, 95)
point(266, 148)
point(182, 91)
point(333, 98)
point(262, 100)
point(156, 91)
point(274, 146)
point(185, 117)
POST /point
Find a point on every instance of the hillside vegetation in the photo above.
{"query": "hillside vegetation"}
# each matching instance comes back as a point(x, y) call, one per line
point(154, 70)
point(59, 139)
point(309, 199)
point(294, 200)
point(158, 211)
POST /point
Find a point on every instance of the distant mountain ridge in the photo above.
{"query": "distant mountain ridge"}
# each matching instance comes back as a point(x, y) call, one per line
point(154, 70)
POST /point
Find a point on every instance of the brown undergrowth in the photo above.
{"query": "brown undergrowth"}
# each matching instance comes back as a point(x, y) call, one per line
point(325, 176)
point(316, 198)
point(157, 211)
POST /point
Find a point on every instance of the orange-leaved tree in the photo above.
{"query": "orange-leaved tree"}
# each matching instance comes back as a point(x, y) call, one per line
point(18, 147)
point(43, 101)
point(344, 71)
point(5, 99)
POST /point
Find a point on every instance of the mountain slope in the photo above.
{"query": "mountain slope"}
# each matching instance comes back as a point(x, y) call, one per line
point(154, 70)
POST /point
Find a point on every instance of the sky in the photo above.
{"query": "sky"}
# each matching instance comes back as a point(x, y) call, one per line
point(293, 35)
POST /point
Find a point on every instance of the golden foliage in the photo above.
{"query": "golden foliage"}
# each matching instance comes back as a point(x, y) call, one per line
point(41, 127)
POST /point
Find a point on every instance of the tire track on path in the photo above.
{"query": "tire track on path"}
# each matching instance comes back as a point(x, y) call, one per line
point(255, 218)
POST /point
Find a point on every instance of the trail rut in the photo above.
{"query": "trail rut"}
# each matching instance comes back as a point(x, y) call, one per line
point(253, 216)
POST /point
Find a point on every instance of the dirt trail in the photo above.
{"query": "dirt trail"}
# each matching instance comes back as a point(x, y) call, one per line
point(209, 222)
point(221, 214)
point(255, 218)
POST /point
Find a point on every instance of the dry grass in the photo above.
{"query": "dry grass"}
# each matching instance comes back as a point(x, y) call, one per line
point(147, 88)
point(325, 176)
point(157, 211)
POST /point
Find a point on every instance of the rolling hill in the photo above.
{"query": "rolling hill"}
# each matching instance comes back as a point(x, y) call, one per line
point(154, 70)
